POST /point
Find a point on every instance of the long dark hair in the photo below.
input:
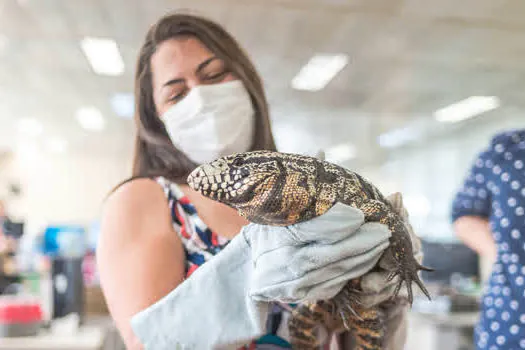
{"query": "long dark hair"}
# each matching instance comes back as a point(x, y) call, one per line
point(154, 153)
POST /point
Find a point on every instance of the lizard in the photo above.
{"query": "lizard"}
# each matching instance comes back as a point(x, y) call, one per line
point(281, 189)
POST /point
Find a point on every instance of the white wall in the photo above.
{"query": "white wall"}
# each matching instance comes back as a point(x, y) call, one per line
point(60, 188)
point(429, 173)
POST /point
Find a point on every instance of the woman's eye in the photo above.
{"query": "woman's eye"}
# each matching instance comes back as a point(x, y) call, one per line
point(177, 97)
point(215, 75)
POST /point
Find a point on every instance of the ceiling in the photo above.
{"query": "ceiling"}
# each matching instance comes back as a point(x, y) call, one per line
point(407, 59)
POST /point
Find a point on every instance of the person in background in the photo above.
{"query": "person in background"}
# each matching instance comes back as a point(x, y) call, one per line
point(8, 244)
point(3, 238)
point(4, 222)
point(3, 215)
point(489, 216)
point(198, 97)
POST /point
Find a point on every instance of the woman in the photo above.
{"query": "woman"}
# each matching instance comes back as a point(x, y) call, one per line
point(180, 53)
point(198, 97)
point(489, 216)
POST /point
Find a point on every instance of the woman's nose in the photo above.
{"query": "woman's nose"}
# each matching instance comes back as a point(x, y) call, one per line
point(192, 82)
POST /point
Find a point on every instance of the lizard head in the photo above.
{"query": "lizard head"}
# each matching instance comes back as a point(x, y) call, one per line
point(265, 187)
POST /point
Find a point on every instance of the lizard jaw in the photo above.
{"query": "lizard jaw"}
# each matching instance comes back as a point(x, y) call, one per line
point(216, 182)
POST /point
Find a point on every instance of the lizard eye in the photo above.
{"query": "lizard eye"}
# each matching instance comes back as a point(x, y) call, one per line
point(237, 161)
point(244, 172)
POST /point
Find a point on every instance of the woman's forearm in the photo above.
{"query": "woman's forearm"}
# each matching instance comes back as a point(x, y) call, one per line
point(475, 233)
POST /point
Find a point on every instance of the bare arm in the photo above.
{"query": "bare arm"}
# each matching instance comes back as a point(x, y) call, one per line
point(139, 256)
point(472, 208)
point(475, 232)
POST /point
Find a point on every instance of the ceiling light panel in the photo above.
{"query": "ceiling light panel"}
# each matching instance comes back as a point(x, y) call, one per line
point(123, 105)
point(319, 71)
point(103, 56)
point(467, 108)
point(90, 118)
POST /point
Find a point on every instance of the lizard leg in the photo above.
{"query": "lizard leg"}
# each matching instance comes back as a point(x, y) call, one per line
point(345, 302)
point(368, 329)
point(366, 324)
point(304, 322)
point(398, 257)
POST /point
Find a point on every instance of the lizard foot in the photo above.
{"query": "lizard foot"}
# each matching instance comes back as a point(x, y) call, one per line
point(408, 274)
point(406, 269)
point(345, 303)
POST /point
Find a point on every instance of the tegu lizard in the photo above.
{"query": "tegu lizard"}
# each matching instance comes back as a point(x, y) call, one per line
point(280, 189)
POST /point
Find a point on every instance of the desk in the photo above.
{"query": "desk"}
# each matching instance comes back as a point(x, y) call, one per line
point(96, 334)
point(86, 338)
point(451, 331)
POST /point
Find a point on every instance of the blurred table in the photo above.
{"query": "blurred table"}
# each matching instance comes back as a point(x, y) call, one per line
point(95, 334)
point(451, 331)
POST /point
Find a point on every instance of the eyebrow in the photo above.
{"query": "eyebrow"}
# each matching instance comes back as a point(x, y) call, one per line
point(200, 67)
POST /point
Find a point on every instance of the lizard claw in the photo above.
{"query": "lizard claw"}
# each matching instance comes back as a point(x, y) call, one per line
point(344, 303)
point(409, 275)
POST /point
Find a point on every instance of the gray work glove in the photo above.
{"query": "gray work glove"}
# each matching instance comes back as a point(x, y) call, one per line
point(313, 260)
point(225, 302)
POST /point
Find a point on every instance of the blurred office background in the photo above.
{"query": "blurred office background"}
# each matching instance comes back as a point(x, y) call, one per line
point(405, 92)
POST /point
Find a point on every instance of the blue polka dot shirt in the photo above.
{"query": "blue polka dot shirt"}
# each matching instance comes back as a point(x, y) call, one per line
point(495, 189)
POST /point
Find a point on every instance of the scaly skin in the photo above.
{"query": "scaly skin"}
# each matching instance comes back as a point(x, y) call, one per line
point(282, 189)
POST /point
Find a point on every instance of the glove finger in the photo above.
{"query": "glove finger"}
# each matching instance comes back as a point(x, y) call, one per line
point(290, 283)
point(322, 283)
point(330, 227)
point(357, 245)
point(334, 277)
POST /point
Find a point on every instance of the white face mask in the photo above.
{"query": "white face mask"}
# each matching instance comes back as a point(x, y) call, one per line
point(212, 121)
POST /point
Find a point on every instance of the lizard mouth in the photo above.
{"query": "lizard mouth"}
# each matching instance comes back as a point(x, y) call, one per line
point(216, 182)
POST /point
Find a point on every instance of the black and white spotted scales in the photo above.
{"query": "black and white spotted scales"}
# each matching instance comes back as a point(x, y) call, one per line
point(280, 189)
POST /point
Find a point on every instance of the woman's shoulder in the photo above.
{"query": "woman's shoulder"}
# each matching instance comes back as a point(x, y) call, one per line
point(507, 142)
point(503, 147)
point(136, 191)
point(136, 206)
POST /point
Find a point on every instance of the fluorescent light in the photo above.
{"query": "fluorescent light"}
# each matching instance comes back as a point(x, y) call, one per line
point(467, 108)
point(340, 153)
point(123, 105)
point(30, 127)
point(103, 55)
point(56, 145)
point(318, 72)
point(91, 118)
point(398, 137)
